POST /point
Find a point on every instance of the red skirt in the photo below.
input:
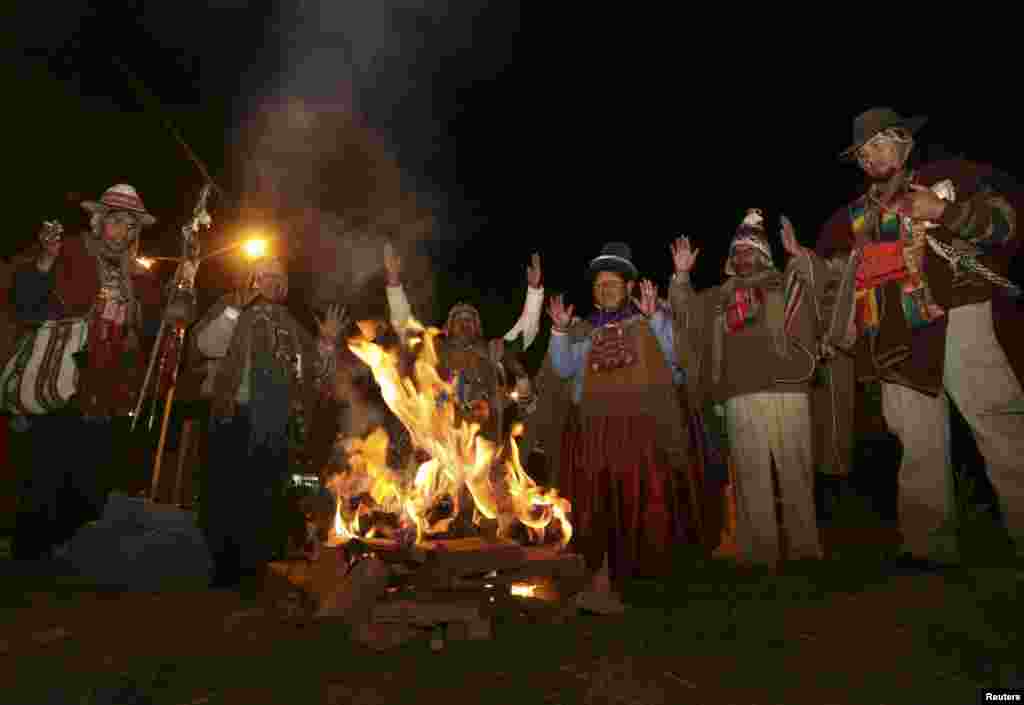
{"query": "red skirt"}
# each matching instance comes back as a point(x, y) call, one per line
point(624, 495)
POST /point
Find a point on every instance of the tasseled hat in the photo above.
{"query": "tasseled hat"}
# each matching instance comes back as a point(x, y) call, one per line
point(750, 233)
point(463, 309)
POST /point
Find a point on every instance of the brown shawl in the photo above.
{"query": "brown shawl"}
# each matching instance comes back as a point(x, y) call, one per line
point(555, 405)
point(251, 336)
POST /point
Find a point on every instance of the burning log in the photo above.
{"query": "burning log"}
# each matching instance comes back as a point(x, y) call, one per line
point(354, 597)
point(473, 555)
point(458, 470)
point(541, 563)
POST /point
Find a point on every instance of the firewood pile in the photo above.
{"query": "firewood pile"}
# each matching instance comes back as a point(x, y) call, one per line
point(449, 589)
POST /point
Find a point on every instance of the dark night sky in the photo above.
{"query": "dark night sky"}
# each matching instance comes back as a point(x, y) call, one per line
point(557, 131)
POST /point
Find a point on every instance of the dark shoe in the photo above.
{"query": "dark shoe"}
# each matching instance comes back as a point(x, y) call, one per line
point(909, 564)
point(225, 579)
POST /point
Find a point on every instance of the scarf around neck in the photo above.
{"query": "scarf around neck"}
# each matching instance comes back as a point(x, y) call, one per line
point(774, 285)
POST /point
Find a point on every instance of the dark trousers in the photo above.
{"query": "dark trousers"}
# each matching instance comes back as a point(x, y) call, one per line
point(243, 499)
point(62, 462)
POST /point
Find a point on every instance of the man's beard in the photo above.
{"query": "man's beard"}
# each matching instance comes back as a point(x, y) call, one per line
point(883, 176)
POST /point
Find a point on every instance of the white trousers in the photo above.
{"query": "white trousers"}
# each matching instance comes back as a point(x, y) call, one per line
point(761, 427)
point(979, 379)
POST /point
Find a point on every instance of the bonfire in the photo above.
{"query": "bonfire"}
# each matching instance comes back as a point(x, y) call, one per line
point(453, 460)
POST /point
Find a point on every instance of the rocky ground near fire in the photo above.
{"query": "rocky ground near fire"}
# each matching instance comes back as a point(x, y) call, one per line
point(843, 631)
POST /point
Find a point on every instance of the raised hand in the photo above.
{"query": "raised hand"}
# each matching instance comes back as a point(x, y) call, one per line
point(330, 326)
point(789, 243)
point(392, 265)
point(648, 301)
point(496, 348)
point(533, 272)
point(682, 256)
point(561, 315)
point(50, 238)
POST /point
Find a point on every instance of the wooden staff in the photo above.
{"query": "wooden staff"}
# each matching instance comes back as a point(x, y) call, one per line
point(176, 341)
point(184, 453)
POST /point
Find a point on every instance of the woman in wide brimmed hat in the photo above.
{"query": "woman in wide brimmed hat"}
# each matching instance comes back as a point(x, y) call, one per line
point(95, 277)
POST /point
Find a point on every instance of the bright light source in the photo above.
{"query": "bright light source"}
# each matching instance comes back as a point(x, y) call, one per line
point(255, 248)
point(144, 262)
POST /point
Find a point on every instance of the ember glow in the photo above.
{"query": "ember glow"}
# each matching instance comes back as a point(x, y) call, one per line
point(522, 590)
point(426, 498)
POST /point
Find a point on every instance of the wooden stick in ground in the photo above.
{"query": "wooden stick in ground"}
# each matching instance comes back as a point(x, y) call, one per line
point(160, 446)
point(184, 448)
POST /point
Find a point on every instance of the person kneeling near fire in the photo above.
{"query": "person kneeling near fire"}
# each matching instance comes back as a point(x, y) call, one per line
point(629, 443)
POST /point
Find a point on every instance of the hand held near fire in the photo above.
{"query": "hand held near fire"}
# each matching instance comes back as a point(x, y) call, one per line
point(392, 266)
point(560, 314)
point(683, 257)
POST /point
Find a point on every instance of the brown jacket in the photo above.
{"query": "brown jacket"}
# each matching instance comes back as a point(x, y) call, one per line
point(753, 358)
point(750, 359)
point(317, 377)
point(981, 221)
point(76, 286)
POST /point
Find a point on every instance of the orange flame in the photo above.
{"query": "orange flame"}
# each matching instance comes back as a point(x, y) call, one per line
point(459, 456)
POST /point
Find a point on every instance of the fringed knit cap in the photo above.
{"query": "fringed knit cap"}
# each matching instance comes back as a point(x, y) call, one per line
point(463, 309)
point(750, 233)
point(120, 197)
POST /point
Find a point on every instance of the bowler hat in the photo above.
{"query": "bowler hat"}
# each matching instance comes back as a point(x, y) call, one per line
point(615, 257)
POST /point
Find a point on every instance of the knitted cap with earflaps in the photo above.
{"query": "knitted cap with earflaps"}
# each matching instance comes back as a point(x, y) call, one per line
point(750, 233)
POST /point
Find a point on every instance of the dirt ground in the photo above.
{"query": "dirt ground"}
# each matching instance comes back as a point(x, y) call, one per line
point(205, 647)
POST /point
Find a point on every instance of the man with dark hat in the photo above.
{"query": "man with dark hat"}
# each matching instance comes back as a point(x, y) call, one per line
point(627, 445)
point(94, 278)
point(751, 344)
point(935, 317)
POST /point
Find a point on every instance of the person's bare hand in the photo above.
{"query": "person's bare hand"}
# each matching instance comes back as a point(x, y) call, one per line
point(533, 272)
point(392, 265)
point(51, 242)
point(648, 301)
point(330, 325)
point(683, 257)
point(561, 315)
point(789, 243)
point(496, 348)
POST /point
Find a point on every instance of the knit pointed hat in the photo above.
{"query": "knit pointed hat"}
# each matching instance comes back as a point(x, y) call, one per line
point(750, 233)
